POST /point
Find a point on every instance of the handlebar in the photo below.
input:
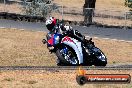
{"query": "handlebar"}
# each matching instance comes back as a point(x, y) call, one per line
point(44, 41)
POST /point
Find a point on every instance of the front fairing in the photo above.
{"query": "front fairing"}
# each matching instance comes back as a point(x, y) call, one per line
point(76, 45)
point(54, 40)
point(98, 53)
point(57, 38)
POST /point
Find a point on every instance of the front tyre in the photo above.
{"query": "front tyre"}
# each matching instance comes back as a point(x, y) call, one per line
point(67, 58)
point(100, 63)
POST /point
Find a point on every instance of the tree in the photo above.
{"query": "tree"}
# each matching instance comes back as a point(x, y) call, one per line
point(38, 7)
point(128, 3)
point(88, 10)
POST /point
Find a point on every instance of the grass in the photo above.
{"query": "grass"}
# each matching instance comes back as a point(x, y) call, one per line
point(100, 4)
point(46, 79)
point(29, 82)
point(113, 7)
point(8, 79)
point(116, 5)
point(116, 51)
point(103, 21)
point(24, 48)
point(11, 8)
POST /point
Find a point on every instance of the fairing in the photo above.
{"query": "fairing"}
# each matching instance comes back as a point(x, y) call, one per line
point(76, 45)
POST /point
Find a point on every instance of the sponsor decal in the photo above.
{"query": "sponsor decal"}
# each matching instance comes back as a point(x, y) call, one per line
point(83, 78)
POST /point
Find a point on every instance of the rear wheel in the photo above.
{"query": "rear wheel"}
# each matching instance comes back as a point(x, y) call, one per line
point(67, 56)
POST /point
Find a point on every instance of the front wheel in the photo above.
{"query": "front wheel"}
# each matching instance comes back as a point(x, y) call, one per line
point(67, 56)
point(99, 57)
point(100, 63)
point(101, 60)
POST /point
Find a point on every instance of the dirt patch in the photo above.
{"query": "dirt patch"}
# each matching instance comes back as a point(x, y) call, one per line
point(25, 48)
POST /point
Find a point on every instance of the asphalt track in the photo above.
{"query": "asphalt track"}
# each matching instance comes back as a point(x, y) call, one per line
point(92, 31)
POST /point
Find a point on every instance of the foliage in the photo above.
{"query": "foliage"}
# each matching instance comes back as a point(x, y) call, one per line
point(38, 7)
point(128, 3)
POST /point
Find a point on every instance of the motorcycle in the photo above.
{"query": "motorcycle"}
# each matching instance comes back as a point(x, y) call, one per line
point(71, 51)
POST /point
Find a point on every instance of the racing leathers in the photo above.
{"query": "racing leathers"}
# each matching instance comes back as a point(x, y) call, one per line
point(65, 30)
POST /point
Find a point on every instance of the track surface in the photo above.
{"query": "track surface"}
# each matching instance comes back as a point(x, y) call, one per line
point(51, 68)
point(111, 33)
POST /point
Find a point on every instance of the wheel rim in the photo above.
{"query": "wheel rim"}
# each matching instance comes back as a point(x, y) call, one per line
point(73, 61)
point(70, 57)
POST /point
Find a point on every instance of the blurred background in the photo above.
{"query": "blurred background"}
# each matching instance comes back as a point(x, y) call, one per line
point(105, 12)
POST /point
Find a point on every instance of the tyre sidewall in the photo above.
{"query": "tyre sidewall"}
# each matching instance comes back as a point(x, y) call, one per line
point(62, 59)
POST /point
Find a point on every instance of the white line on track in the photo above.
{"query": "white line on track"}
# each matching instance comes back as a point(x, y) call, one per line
point(11, 28)
point(2, 27)
point(110, 39)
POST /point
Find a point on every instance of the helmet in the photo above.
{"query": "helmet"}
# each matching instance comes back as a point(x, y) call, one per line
point(50, 23)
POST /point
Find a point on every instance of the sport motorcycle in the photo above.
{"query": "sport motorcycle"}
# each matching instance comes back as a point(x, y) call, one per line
point(72, 52)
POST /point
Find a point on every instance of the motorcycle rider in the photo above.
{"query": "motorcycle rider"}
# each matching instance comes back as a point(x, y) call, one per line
point(55, 27)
